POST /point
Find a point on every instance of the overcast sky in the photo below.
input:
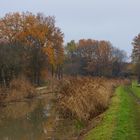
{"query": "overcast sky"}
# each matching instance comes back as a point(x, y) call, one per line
point(115, 20)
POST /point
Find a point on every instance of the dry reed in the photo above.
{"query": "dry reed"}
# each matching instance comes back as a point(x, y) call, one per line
point(20, 88)
point(85, 98)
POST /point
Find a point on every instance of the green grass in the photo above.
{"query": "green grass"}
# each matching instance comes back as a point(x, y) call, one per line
point(105, 129)
point(79, 125)
point(119, 119)
point(125, 129)
point(135, 88)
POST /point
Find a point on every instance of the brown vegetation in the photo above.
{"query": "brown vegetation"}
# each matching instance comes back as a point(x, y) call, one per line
point(85, 98)
point(19, 88)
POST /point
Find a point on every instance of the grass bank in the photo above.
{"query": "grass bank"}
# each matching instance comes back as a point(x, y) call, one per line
point(84, 98)
point(119, 122)
point(135, 89)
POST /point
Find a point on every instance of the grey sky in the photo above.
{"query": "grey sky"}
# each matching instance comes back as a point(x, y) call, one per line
point(115, 20)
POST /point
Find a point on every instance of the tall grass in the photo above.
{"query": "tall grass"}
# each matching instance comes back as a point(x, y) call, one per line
point(85, 98)
point(19, 88)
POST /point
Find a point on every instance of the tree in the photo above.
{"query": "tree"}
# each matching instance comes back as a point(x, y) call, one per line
point(71, 58)
point(37, 34)
point(97, 55)
point(119, 57)
point(71, 49)
point(11, 62)
point(136, 55)
point(93, 57)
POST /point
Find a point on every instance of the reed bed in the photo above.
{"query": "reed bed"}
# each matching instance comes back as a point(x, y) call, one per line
point(85, 97)
point(18, 89)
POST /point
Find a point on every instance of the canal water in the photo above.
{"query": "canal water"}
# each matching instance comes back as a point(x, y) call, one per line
point(35, 119)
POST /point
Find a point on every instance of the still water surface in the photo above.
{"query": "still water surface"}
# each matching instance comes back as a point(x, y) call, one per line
point(32, 120)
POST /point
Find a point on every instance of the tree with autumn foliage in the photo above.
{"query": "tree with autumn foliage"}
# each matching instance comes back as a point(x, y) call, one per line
point(40, 39)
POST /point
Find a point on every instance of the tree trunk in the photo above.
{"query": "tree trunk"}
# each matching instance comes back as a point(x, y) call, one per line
point(3, 77)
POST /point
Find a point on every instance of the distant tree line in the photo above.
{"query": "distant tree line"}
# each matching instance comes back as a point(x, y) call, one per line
point(93, 57)
point(32, 46)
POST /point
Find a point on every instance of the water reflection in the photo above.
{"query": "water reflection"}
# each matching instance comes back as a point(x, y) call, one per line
point(31, 120)
point(34, 120)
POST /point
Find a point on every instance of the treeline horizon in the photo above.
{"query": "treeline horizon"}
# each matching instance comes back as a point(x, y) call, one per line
point(94, 58)
point(33, 46)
